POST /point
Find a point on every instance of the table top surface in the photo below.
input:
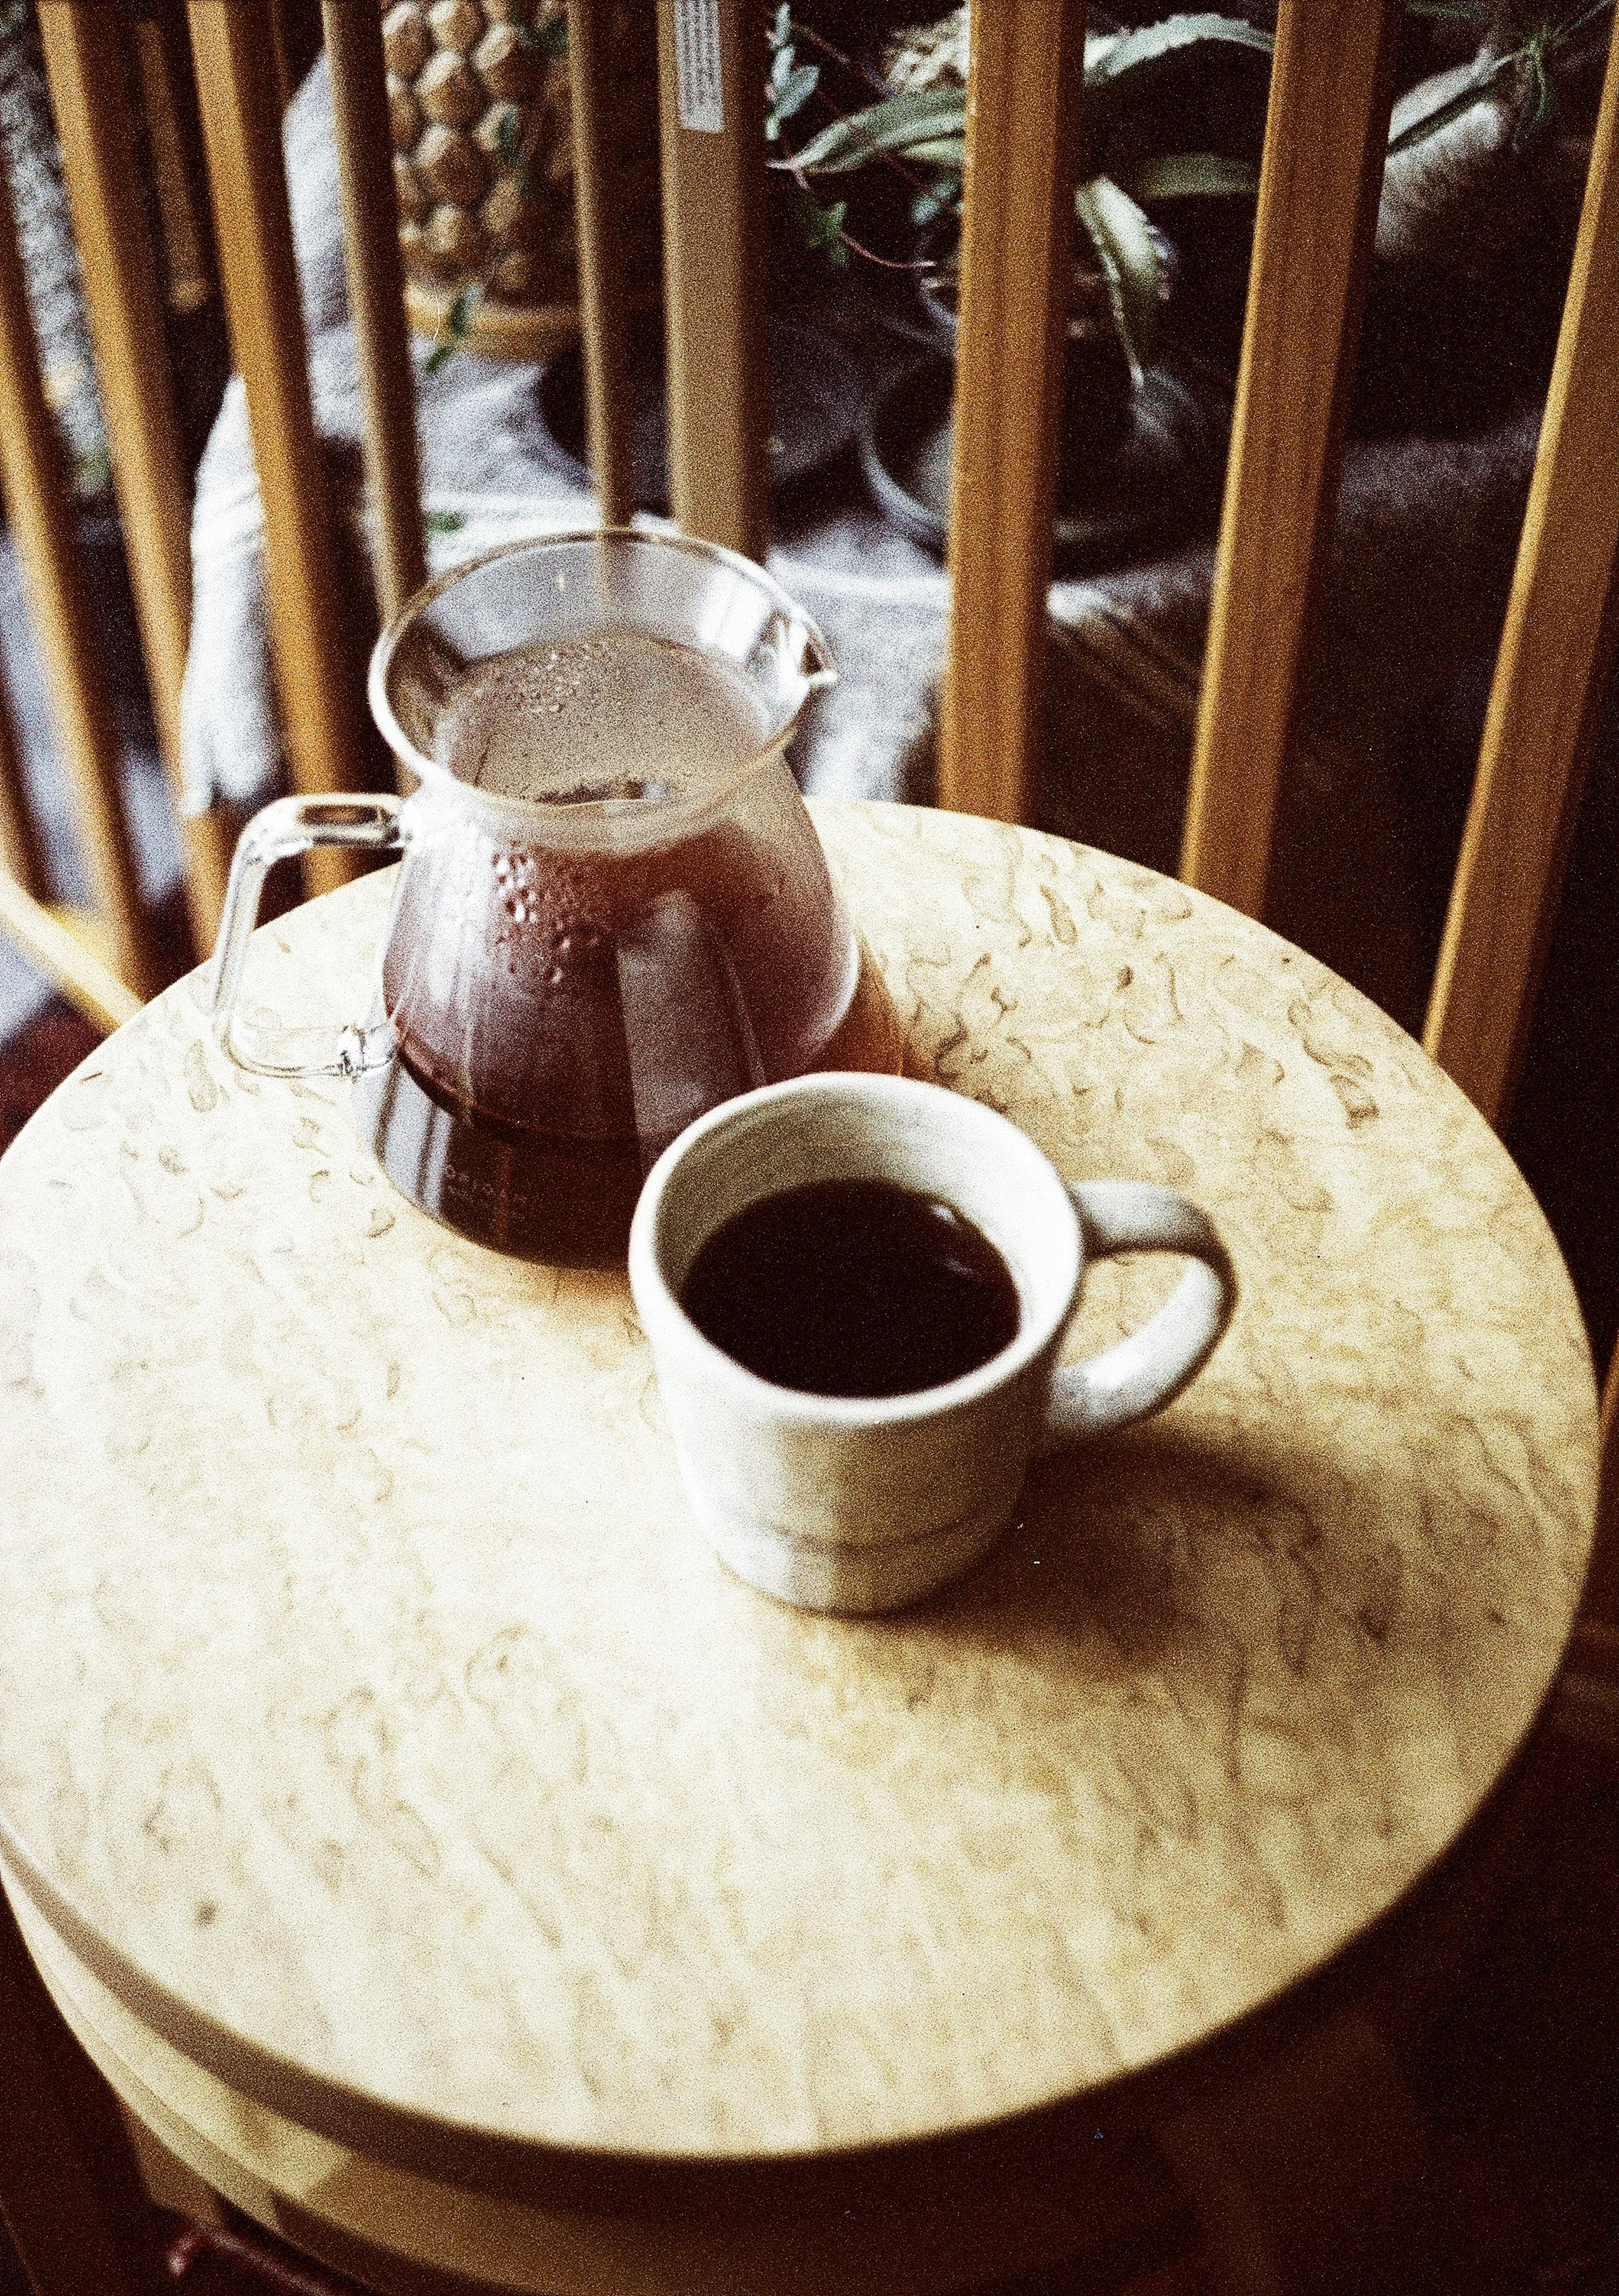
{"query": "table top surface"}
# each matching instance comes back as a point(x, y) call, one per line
point(375, 1722)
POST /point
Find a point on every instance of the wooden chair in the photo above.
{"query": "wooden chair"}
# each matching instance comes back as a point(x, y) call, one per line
point(1327, 127)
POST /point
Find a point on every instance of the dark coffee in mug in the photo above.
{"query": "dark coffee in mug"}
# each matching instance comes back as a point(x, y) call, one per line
point(562, 1011)
point(853, 1288)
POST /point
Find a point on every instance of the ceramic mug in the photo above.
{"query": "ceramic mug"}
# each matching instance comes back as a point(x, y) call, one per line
point(856, 1504)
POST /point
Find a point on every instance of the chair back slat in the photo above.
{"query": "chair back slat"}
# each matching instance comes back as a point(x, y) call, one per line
point(86, 67)
point(718, 390)
point(1326, 133)
point(317, 674)
point(42, 524)
point(1550, 674)
point(1026, 73)
point(376, 297)
point(601, 260)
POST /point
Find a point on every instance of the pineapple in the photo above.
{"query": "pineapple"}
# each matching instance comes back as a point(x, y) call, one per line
point(478, 98)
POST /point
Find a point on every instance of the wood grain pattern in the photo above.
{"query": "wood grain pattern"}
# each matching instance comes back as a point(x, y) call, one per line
point(42, 524)
point(1331, 86)
point(376, 299)
point(601, 282)
point(1551, 676)
point(86, 68)
point(719, 385)
point(425, 1778)
point(318, 675)
point(1023, 97)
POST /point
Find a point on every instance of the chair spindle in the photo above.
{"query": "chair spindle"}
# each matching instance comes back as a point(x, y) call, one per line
point(42, 522)
point(1025, 83)
point(179, 173)
point(1551, 676)
point(66, 956)
point(601, 273)
point(713, 272)
point(22, 855)
point(1326, 134)
point(376, 297)
point(86, 69)
point(317, 678)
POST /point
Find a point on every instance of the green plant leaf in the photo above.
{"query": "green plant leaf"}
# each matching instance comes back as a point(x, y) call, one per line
point(822, 227)
point(1132, 265)
point(796, 89)
point(1142, 55)
point(894, 126)
point(1442, 114)
point(508, 138)
point(444, 521)
point(1539, 107)
point(942, 194)
point(1192, 175)
point(551, 37)
point(948, 153)
point(458, 320)
point(1559, 35)
point(1134, 65)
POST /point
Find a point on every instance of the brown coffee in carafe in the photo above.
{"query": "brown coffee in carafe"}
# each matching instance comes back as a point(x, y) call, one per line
point(561, 1010)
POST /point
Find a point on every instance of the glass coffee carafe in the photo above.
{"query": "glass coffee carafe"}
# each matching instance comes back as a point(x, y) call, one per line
point(612, 911)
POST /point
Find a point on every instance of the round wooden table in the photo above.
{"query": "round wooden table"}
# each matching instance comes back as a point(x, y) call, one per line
point(444, 1855)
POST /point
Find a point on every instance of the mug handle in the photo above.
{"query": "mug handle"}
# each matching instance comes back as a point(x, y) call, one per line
point(1141, 1374)
point(289, 826)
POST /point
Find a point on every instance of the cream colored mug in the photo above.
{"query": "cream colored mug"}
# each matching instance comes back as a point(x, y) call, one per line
point(857, 1503)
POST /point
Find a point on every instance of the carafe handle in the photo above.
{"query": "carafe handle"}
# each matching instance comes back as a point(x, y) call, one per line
point(289, 826)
